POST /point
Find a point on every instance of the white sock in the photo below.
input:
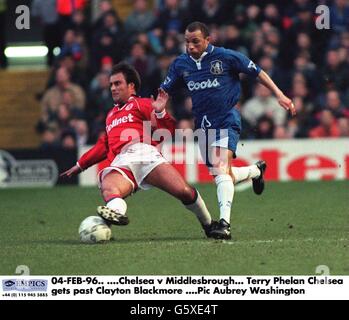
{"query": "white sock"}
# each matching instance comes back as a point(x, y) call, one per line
point(117, 204)
point(225, 195)
point(200, 210)
point(245, 173)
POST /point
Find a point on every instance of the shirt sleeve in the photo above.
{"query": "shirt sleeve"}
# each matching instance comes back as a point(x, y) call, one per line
point(96, 154)
point(145, 108)
point(159, 121)
point(242, 64)
point(172, 80)
point(166, 122)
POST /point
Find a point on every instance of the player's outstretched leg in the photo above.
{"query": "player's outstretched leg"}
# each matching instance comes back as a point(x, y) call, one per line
point(167, 178)
point(225, 191)
point(258, 182)
point(225, 195)
point(254, 172)
point(114, 188)
point(115, 216)
point(198, 207)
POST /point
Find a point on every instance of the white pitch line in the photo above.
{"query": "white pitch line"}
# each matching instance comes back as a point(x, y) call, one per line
point(283, 240)
point(235, 242)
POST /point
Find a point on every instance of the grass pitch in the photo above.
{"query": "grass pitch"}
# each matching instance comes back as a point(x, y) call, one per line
point(291, 229)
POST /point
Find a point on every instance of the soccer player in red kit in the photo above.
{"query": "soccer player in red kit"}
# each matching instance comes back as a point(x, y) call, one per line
point(134, 160)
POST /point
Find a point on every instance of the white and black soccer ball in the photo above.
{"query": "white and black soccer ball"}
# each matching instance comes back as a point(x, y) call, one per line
point(94, 229)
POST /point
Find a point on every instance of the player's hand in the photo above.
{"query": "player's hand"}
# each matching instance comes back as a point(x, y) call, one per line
point(73, 171)
point(287, 104)
point(161, 100)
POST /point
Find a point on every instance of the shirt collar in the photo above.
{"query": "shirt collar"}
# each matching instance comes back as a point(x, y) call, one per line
point(119, 106)
point(208, 50)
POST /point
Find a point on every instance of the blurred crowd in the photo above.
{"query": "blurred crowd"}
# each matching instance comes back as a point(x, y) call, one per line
point(310, 65)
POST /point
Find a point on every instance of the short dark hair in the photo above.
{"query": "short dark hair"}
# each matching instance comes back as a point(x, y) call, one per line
point(194, 26)
point(130, 73)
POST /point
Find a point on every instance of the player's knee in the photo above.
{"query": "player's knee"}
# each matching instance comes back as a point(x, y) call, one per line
point(187, 195)
point(106, 193)
point(109, 190)
point(221, 167)
point(218, 170)
point(224, 168)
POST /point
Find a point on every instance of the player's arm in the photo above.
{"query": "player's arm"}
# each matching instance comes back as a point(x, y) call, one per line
point(284, 101)
point(172, 80)
point(96, 154)
point(243, 64)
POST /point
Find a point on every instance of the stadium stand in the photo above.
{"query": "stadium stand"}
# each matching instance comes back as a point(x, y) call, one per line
point(19, 107)
point(305, 62)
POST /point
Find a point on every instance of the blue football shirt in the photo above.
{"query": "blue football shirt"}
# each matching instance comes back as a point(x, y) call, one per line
point(213, 82)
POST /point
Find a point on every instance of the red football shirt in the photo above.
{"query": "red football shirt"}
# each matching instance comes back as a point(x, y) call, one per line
point(125, 124)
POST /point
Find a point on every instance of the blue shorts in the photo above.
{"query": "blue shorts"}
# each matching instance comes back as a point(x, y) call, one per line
point(224, 138)
point(225, 134)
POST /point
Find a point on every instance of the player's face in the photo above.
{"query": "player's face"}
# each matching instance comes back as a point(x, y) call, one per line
point(196, 43)
point(120, 90)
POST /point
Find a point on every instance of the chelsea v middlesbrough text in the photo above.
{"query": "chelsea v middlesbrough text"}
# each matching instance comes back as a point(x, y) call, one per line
point(190, 285)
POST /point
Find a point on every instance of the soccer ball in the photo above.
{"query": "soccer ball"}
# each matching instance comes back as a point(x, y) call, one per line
point(94, 230)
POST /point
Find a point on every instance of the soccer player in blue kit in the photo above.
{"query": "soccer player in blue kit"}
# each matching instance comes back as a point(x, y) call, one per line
point(211, 75)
